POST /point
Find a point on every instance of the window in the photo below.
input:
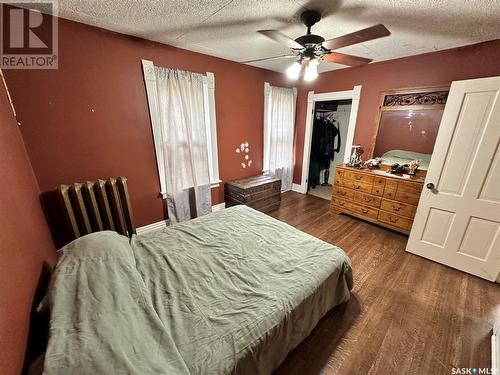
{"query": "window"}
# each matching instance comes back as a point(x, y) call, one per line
point(279, 127)
point(179, 145)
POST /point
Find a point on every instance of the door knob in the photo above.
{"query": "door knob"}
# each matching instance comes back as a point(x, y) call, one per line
point(430, 186)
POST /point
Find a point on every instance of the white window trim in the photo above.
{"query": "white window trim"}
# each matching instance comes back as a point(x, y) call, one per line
point(210, 120)
point(267, 128)
point(211, 128)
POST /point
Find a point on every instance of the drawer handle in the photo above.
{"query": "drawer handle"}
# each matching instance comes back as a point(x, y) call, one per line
point(341, 203)
point(396, 208)
point(357, 187)
point(367, 199)
point(389, 194)
point(358, 177)
point(364, 211)
point(393, 220)
point(342, 193)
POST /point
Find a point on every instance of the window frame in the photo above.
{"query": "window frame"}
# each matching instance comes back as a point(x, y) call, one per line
point(210, 123)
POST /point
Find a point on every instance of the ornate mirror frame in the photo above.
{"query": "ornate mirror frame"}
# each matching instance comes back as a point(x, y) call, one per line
point(416, 98)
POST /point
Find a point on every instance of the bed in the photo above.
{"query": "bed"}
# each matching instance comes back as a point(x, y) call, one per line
point(230, 292)
point(405, 157)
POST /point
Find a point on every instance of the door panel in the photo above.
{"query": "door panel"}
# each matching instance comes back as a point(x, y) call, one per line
point(479, 238)
point(437, 227)
point(469, 130)
point(458, 222)
point(490, 190)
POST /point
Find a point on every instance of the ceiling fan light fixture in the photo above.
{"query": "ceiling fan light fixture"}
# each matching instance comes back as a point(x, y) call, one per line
point(293, 71)
point(311, 72)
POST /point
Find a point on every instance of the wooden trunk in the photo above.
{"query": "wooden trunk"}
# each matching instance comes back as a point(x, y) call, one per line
point(376, 196)
point(262, 193)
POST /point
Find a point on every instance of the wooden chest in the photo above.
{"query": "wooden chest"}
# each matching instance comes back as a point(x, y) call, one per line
point(377, 196)
point(262, 193)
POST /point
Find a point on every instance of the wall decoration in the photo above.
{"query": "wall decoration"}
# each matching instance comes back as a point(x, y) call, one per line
point(244, 150)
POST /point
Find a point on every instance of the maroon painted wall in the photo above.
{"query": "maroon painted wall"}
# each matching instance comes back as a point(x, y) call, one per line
point(25, 242)
point(89, 119)
point(432, 69)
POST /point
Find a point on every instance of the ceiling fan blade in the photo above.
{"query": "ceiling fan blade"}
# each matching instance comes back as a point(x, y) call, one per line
point(269, 58)
point(281, 38)
point(342, 58)
point(374, 32)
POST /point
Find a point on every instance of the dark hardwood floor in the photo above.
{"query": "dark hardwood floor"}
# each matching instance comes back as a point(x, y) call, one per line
point(407, 315)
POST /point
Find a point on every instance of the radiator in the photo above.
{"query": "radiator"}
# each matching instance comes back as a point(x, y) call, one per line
point(99, 205)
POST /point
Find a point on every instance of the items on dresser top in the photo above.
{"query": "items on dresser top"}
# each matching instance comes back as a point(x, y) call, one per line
point(376, 196)
point(262, 193)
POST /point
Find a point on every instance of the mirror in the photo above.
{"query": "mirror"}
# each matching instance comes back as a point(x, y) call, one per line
point(408, 124)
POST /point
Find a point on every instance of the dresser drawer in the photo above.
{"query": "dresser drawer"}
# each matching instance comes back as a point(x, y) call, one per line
point(339, 177)
point(343, 193)
point(339, 173)
point(378, 190)
point(358, 186)
point(343, 204)
point(366, 211)
point(390, 189)
point(367, 199)
point(394, 220)
point(407, 197)
point(402, 209)
point(379, 182)
point(410, 188)
point(389, 193)
point(358, 177)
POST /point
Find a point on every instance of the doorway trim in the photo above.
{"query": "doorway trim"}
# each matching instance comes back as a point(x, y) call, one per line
point(312, 98)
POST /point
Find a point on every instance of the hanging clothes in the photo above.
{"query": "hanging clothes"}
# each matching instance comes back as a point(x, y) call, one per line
point(325, 142)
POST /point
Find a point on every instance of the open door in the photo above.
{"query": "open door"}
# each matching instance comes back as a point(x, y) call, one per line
point(458, 217)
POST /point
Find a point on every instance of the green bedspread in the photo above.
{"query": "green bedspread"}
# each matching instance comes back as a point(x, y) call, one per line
point(230, 292)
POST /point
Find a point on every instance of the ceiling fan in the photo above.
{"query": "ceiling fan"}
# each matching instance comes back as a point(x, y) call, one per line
point(311, 49)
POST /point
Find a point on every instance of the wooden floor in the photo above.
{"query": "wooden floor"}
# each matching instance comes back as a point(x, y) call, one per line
point(407, 315)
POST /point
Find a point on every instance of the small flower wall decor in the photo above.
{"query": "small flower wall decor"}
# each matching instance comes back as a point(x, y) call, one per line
point(244, 150)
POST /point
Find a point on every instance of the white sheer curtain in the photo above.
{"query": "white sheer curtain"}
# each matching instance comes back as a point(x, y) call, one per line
point(184, 143)
point(280, 128)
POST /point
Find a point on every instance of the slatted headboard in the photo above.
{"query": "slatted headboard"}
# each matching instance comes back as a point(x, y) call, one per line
point(99, 205)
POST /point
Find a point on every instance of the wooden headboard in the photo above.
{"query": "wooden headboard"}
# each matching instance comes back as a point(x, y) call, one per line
point(99, 205)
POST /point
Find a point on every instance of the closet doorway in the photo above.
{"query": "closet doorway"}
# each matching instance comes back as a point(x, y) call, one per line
point(329, 134)
point(337, 105)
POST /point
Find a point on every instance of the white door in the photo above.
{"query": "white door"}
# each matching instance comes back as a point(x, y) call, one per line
point(458, 221)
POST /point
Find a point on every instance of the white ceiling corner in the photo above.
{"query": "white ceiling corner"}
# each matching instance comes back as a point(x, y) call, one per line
point(228, 28)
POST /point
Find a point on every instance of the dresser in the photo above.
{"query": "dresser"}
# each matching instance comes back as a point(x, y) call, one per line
point(262, 193)
point(377, 196)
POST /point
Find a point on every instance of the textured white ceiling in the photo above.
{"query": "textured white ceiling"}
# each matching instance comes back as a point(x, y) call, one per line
point(228, 28)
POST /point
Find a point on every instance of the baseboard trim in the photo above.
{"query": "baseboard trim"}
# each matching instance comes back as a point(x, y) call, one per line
point(165, 223)
point(153, 226)
point(299, 188)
